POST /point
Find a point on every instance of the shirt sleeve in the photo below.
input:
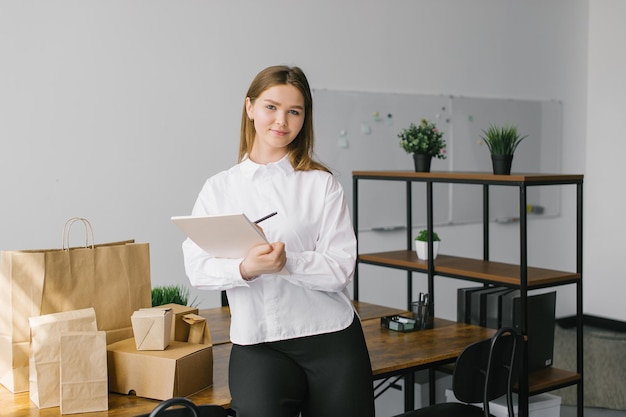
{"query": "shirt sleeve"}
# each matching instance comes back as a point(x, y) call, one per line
point(330, 267)
point(206, 272)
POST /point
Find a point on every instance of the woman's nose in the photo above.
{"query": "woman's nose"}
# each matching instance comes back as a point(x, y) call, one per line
point(280, 119)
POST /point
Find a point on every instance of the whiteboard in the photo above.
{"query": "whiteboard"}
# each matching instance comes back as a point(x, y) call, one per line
point(359, 131)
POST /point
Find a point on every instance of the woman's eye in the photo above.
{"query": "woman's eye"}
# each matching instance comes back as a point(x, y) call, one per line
point(294, 112)
point(270, 107)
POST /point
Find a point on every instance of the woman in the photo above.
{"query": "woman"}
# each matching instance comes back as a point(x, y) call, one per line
point(298, 346)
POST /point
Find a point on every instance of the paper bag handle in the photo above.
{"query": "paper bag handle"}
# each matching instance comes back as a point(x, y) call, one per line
point(65, 244)
point(175, 401)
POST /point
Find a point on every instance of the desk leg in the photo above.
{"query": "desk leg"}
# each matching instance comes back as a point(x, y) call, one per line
point(432, 386)
point(409, 391)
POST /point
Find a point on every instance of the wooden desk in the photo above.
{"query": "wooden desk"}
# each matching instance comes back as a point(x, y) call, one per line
point(391, 353)
point(401, 354)
point(19, 405)
point(218, 318)
point(395, 353)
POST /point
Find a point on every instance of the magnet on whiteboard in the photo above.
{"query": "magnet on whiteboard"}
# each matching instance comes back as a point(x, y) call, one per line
point(365, 128)
point(342, 140)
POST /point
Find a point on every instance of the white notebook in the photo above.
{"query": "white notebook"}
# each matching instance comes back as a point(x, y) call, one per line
point(223, 236)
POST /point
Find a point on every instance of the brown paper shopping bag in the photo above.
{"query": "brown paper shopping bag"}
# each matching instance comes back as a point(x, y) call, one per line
point(113, 278)
point(83, 372)
point(45, 353)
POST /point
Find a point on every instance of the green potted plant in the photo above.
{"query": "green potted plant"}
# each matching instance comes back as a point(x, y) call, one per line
point(421, 244)
point(171, 294)
point(424, 142)
point(502, 142)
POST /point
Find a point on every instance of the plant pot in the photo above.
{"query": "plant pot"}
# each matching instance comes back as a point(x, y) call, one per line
point(422, 162)
point(502, 164)
point(421, 248)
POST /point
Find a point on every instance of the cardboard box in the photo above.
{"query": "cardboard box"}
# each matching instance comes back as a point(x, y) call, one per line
point(180, 329)
point(541, 405)
point(152, 328)
point(178, 371)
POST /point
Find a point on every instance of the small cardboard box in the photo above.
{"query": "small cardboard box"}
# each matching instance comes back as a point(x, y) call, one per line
point(180, 329)
point(152, 328)
point(541, 405)
point(178, 371)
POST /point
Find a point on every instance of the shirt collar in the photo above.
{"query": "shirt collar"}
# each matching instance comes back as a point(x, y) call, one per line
point(249, 168)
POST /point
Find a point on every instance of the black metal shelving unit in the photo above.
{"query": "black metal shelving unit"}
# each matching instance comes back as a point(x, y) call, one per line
point(485, 270)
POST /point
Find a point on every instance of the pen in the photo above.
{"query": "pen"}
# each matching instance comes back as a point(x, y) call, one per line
point(266, 217)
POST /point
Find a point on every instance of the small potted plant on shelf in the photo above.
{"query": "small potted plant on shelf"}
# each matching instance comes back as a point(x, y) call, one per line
point(421, 244)
point(424, 142)
point(502, 142)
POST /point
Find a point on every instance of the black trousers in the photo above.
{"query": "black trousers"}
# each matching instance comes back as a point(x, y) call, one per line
point(324, 375)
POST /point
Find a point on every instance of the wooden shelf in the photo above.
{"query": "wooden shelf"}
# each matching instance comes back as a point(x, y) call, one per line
point(470, 177)
point(540, 381)
point(548, 379)
point(471, 269)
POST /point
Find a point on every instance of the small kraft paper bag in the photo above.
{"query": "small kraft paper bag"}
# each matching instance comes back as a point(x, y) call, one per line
point(45, 354)
point(113, 278)
point(83, 371)
point(198, 329)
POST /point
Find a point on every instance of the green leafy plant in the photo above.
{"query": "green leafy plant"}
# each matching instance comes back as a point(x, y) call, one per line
point(171, 294)
point(502, 140)
point(423, 139)
point(423, 236)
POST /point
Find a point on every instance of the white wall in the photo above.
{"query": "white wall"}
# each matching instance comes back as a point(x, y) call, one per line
point(605, 279)
point(118, 110)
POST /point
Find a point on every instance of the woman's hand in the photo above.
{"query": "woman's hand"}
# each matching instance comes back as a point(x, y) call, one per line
point(263, 259)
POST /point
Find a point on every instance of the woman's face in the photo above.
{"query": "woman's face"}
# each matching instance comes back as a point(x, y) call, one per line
point(278, 115)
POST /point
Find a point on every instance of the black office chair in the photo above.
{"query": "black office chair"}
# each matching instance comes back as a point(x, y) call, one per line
point(484, 371)
point(187, 409)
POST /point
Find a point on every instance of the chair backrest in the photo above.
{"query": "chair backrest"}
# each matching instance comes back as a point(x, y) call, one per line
point(185, 408)
point(487, 370)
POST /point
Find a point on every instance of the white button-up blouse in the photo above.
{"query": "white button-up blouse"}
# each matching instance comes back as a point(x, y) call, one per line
point(314, 223)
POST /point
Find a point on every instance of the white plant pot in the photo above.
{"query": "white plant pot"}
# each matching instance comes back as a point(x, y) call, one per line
point(421, 248)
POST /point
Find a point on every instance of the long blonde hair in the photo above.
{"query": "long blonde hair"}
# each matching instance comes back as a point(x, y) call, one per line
point(301, 148)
